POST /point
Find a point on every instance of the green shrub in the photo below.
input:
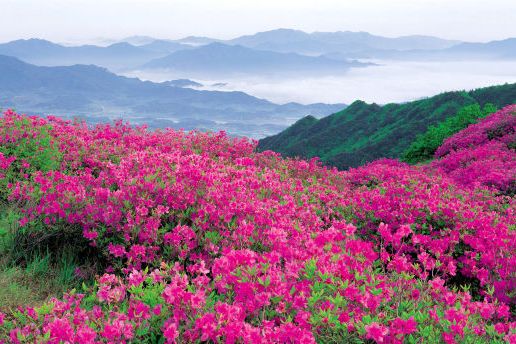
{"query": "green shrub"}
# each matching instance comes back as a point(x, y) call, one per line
point(34, 149)
point(425, 145)
point(33, 144)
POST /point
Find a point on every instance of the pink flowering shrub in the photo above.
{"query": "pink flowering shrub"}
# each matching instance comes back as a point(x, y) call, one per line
point(423, 224)
point(483, 153)
point(209, 241)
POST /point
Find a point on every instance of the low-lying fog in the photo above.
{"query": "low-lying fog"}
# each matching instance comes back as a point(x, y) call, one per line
point(388, 81)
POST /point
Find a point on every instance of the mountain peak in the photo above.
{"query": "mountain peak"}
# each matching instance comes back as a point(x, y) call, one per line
point(138, 40)
point(121, 44)
point(32, 42)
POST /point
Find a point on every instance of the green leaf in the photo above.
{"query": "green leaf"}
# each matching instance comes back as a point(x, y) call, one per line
point(377, 291)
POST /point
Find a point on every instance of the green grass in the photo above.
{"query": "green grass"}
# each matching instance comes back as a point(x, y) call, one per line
point(31, 274)
point(35, 283)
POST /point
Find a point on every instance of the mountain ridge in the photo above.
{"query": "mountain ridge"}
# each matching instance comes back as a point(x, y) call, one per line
point(115, 56)
point(364, 132)
point(287, 40)
point(93, 91)
point(341, 46)
point(216, 58)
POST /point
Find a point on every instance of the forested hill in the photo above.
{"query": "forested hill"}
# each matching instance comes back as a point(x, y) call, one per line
point(364, 132)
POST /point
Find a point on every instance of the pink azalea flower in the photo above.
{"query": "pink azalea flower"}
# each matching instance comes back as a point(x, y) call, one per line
point(376, 332)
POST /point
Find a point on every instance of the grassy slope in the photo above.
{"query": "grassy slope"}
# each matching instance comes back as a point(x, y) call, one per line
point(30, 274)
point(365, 132)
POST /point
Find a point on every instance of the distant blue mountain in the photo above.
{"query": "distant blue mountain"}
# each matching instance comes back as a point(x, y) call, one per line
point(197, 40)
point(345, 45)
point(494, 50)
point(287, 40)
point(93, 92)
point(138, 40)
point(41, 52)
point(182, 83)
point(504, 49)
point(274, 51)
point(218, 59)
point(164, 46)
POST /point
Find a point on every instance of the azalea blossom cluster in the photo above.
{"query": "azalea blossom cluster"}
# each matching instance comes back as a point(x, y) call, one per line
point(209, 241)
point(483, 153)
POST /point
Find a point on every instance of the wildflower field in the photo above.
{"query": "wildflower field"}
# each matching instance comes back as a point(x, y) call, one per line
point(196, 238)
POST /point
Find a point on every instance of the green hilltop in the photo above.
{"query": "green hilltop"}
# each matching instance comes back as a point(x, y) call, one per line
point(364, 132)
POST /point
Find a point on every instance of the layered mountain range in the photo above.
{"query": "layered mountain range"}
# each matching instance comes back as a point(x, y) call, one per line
point(277, 50)
point(96, 94)
point(40, 76)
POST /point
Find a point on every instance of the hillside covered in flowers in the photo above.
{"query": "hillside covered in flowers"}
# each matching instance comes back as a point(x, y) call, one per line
point(197, 238)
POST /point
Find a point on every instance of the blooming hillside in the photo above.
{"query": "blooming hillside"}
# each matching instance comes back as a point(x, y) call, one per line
point(483, 154)
point(204, 240)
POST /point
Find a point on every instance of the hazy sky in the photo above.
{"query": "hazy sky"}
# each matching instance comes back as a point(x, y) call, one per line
point(86, 20)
